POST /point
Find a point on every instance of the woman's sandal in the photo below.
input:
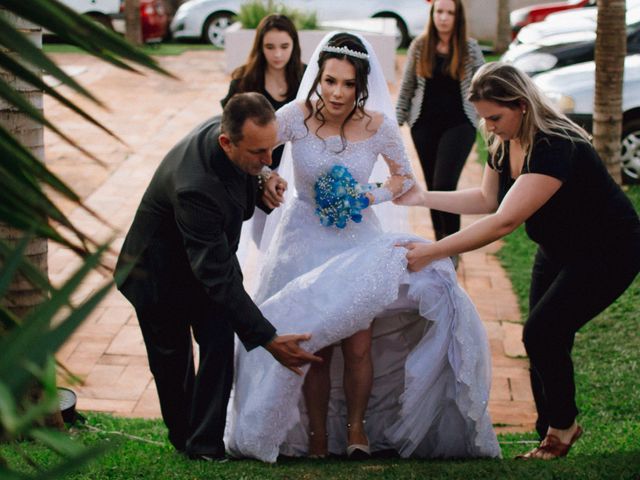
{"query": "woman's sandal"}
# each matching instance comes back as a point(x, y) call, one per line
point(551, 447)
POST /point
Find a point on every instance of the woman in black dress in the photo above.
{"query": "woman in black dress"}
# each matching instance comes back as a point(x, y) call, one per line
point(543, 172)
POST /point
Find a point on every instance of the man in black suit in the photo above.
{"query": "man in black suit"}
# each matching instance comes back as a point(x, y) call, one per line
point(186, 275)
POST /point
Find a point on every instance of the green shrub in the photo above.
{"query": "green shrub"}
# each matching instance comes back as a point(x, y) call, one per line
point(255, 10)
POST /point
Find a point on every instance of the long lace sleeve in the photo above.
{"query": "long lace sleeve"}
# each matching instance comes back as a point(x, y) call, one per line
point(290, 121)
point(395, 155)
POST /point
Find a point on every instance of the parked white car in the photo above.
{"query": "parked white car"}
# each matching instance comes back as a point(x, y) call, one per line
point(110, 14)
point(207, 19)
point(572, 90)
point(100, 10)
point(570, 21)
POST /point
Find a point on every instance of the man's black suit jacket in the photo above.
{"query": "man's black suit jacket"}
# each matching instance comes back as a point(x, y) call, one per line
point(186, 231)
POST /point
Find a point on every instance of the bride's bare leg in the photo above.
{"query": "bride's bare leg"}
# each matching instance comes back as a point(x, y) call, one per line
point(316, 390)
point(358, 378)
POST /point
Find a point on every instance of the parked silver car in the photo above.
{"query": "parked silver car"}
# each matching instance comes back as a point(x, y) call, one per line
point(557, 51)
point(207, 19)
point(572, 90)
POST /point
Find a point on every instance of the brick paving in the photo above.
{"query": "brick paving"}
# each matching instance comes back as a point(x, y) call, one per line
point(150, 114)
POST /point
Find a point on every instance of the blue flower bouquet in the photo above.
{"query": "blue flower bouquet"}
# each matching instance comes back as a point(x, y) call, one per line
point(339, 198)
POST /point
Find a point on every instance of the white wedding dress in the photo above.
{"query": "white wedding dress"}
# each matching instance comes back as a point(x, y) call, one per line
point(432, 370)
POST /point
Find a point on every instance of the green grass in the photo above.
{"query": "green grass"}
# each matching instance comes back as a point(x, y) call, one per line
point(481, 149)
point(127, 458)
point(159, 49)
point(252, 12)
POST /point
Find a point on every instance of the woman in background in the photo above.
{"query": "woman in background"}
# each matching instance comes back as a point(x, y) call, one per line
point(273, 68)
point(433, 100)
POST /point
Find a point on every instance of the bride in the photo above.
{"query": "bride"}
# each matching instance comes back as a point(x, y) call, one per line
point(406, 360)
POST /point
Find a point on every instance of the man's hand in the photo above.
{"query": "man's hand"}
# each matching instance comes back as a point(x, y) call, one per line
point(274, 188)
point(285, 349)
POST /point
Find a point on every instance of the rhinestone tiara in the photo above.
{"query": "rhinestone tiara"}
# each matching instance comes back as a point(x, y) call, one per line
point(345, 51)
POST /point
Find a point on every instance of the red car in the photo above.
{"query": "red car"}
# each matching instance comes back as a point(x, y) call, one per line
point(154, 18)
point(536, 13)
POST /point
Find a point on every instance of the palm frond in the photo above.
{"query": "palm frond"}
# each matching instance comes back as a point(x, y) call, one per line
point(9, 64)
point(8, 321)
point(83, 32)
point(11, 261)
point(22, 196)
point(18, 158)
point(25, 203)
point(15, 41)
point(35, 339)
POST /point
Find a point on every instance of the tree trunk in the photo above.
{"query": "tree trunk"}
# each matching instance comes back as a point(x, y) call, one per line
point(22, 295)
point(503, 34)
point(611, 48)
point(171, 6)
point(133, 22)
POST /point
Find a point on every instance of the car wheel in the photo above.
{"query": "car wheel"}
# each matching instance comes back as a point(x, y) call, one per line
point(630, 155)
point(101, 20)
point(214, 28)
point(402, 32)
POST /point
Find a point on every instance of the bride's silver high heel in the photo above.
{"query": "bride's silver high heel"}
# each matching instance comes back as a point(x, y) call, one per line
point(358, 451)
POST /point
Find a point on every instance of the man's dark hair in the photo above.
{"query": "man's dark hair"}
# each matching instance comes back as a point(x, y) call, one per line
point(242, 107)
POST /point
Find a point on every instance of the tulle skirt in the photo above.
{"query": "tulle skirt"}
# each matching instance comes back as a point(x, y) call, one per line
point(430, 353)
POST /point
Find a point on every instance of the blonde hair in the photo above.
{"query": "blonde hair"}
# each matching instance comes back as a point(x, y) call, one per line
point(505, 85)
point(457, 46)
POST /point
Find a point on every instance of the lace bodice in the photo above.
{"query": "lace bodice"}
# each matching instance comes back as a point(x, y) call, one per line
point(314, 156)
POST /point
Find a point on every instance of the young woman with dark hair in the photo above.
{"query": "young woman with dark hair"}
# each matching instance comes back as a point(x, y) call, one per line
point(273, 67)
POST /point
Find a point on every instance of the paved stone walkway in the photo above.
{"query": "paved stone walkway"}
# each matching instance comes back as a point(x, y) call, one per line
point(150, 113)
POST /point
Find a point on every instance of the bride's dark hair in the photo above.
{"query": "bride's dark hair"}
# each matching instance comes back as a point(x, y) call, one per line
point(362, 69)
